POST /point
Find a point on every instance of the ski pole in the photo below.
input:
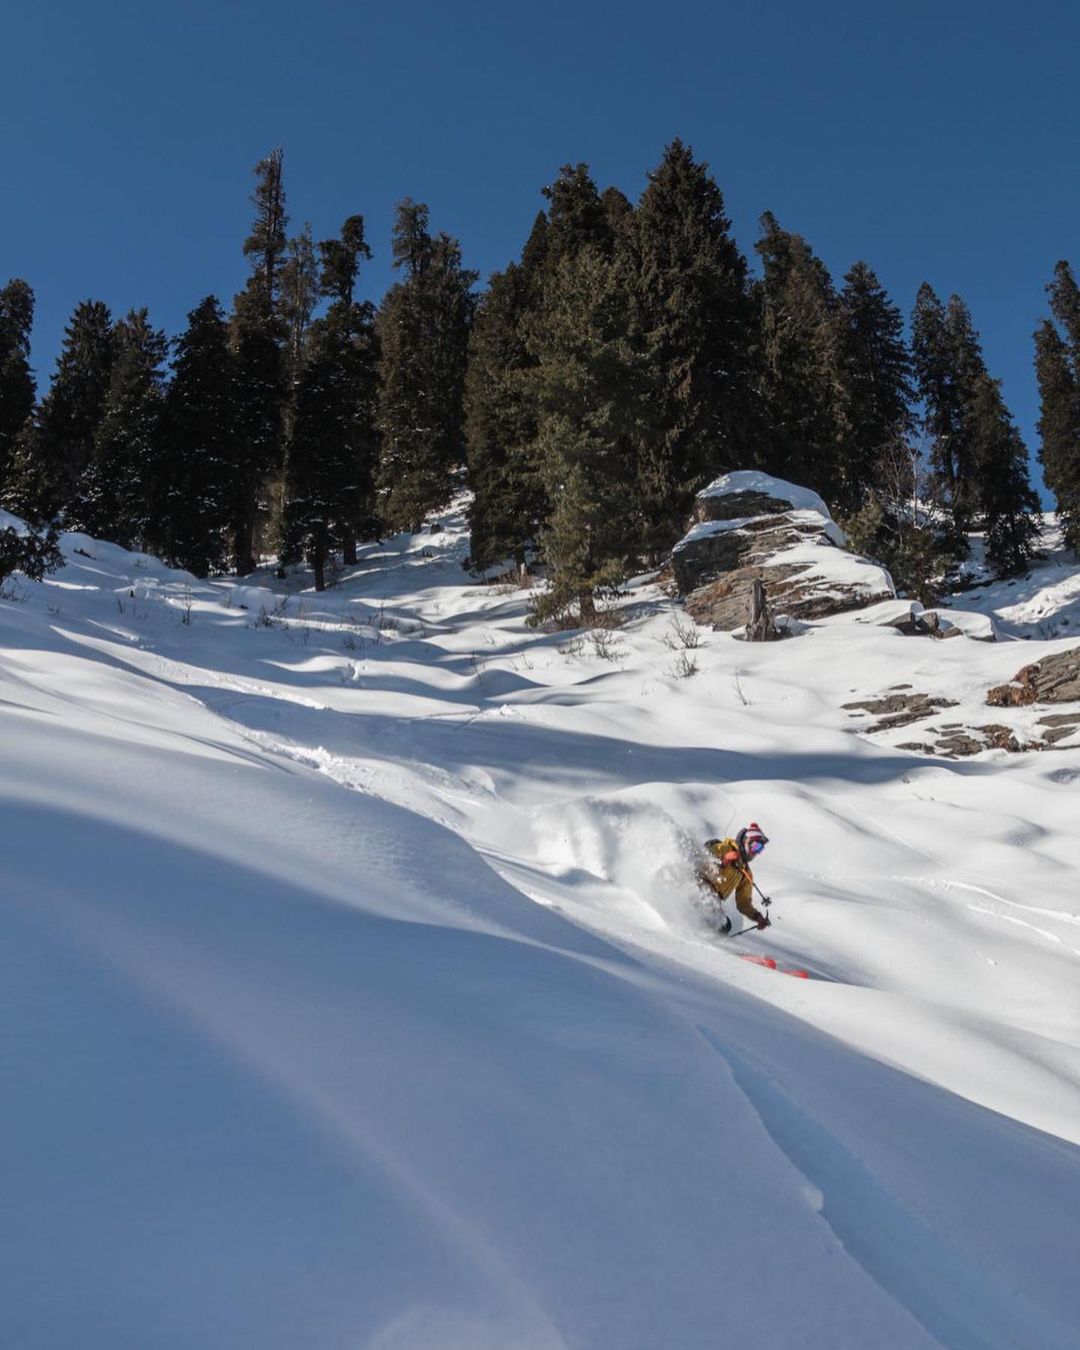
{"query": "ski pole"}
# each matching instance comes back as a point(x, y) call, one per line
point(765, 900)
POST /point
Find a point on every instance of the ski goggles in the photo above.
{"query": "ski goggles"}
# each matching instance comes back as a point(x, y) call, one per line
point(755, 846)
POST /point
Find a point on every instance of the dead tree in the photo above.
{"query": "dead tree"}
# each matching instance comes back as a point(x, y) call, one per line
point(760, 627)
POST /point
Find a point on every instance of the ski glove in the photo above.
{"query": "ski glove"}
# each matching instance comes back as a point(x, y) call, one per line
point(764, 921)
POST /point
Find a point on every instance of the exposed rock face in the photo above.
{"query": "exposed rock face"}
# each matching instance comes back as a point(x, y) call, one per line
point(953, 740)
point(1055, 680)
point(898, 710)
point(901, 706)
point(961, 742)
point(749, 527)
point(712, 505)
point(1060, 727)
point(703, 556)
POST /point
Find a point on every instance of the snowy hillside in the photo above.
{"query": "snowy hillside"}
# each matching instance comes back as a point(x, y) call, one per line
point(359, 996)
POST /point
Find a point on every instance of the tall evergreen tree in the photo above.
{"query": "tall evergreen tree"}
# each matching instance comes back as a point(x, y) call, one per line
point(948, 362)
point(17, 387)
point(506, 472)
point(299, 297)
point(1009, 506)
point(113, 496)
point(265, 246)
point(535, 252)
point(800, 360)
point(619, 211)
point(56, 447)
point(1065, 303)
point(317, 461)
point(876, 390)
point(354, 321)
point(1057, 365)
point(332, 444)
point(577, 216)
point(423, 328)
point(978, 462)
point(694, 325)
point(590, 395)
point(509, 502)
point(258, 341)
point(32, 550)
point(192, 505)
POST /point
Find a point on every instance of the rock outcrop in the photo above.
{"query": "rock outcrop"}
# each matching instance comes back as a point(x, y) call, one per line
point(1053, 680)
point(897, 709)
point(901, 707)
point(748, 527)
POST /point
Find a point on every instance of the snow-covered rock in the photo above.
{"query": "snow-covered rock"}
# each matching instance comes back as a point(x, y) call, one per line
point(748, 526)
point(749, 492)
point(913, 620)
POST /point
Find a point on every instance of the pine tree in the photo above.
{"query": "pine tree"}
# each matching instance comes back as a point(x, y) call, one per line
point(299, 297)
point(55, 448)
point(948, 363)
point(265, 246)
point(577, 216)
point(354, 322)
point(876, 391)
point(801, 362)
point(113, 497)
point(978, 461)
point(32, 550)
point(423, 328)
point(619, 211)
point(508, 501)
point(192, 506)
point(1057, 365)
point(535, 252)
point(589, 392)
point(317, 461)
point(891, 527)
point(17, 387)
point(332, 445)
point(1010, 508)
point(1065, 303)
point(694, 325)
point(258, 342)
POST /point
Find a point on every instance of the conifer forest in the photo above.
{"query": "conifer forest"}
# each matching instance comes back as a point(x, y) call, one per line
point(584, 394)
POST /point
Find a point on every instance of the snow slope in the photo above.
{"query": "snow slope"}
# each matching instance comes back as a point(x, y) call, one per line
point(358, 992)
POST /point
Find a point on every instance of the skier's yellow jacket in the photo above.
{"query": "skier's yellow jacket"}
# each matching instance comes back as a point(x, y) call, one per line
point(724, 871)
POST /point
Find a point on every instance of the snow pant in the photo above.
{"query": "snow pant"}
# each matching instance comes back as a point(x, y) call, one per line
point(725, 880)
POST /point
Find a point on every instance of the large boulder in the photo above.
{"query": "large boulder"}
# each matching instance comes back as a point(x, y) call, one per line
point(1053, 680)
point(749, 526)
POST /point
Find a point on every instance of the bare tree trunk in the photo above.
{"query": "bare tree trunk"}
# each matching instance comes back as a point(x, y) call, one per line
point(760, 627)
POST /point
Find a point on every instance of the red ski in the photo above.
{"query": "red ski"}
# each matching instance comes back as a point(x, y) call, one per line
point(770, 964)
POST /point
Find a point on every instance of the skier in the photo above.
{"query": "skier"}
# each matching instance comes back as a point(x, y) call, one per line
point(727, 869)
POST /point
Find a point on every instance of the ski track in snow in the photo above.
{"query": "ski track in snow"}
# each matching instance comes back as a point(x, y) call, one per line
point(558, 799)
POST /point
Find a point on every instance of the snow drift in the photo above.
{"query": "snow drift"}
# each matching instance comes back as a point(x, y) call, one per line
point(357, 994)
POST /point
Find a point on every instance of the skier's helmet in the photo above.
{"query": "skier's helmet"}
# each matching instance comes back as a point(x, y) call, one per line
point(751, 840)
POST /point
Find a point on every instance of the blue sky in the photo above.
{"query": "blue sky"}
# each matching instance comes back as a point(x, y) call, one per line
point(937, 141)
